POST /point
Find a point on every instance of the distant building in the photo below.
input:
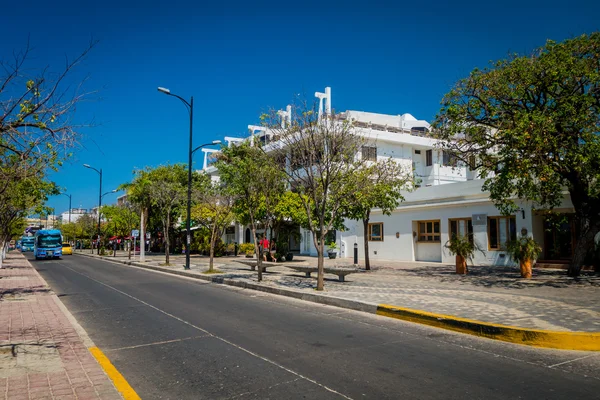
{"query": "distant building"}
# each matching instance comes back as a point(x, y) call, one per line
point(45, 221)
point(122, 200)
point(75, 214)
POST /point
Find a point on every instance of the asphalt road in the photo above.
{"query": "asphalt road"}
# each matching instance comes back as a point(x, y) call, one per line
point(177, 338)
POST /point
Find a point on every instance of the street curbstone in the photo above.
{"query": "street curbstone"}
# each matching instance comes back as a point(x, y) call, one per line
point(563, 340)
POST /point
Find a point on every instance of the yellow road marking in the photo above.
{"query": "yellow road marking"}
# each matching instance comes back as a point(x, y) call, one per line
point(564, 340)
point(118, 380)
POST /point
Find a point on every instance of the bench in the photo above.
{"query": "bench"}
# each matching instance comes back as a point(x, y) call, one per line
point(340, 272)
point(252, 264)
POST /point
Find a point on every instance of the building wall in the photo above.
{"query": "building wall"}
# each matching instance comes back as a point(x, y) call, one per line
point(74, 217)
point(400, 231)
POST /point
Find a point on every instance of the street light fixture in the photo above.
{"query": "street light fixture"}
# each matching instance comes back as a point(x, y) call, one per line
point(190, 107)
point(99, 201)
point(112, 191)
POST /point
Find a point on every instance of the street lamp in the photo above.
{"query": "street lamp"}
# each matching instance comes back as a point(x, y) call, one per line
point(112, 191)
point(99, 201)
point(190, 107)
point(70, 198)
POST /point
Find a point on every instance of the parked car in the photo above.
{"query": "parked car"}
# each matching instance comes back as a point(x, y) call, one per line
point(67, 249)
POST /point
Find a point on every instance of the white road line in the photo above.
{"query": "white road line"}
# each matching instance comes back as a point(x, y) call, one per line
point(156, 343)
point(573, 360)
point(216, 337)
point(273, 298)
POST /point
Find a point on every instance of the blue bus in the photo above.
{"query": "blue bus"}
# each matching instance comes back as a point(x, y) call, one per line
point(27, 243)
point(48, 244)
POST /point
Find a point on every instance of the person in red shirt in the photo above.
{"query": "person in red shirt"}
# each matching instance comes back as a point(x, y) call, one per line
point(264, 243)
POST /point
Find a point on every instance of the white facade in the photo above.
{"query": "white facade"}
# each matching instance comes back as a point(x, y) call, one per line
point(76, 213)
point(448, 196)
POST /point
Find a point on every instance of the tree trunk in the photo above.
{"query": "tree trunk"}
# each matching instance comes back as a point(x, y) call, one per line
point(258, 252)
point(366, 240)
point(212, 251)
point(525, 266)
point(321, 264)
point(142, 235)
point(461, 265)
point(587, 231)
point(166, 230)
point(212, 254)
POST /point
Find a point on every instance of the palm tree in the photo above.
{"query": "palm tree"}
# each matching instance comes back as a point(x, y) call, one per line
point(139, 194)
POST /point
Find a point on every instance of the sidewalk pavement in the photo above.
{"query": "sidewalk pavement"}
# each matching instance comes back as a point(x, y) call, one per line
point(496, 295)
point(43, 352)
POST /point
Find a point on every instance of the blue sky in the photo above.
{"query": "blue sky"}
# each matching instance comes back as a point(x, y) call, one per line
point(239, 60)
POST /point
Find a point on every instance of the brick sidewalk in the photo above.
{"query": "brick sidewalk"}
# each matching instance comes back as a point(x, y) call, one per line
point(42, 356)
point(549, 301)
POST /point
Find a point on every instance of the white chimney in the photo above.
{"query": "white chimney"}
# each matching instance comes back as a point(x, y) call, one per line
point(328, 100)
point(327, 97)
point(320, 96)
point(286, 116)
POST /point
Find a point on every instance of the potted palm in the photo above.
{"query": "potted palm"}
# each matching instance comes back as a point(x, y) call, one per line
point(332, 250)
point(525, 251)
point(463, 248)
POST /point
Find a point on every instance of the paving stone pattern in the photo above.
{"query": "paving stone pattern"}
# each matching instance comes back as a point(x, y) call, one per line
point(549, 301)
point(41, 354)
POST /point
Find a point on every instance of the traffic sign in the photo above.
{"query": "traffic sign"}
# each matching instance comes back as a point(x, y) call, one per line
point(135, 233)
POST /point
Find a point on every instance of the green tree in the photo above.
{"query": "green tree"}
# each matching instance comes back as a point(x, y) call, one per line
point(214, 212)
point(256, 183)
point(86, 227)
point(123, 218)
point(21, 198)
point(138, 195)
point(322, 155)
point(167, 190)
point(529, 124)
point(377, 185)
point(37, 131)
point(69, 230)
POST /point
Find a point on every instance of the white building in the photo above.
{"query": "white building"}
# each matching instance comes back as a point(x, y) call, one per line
point(449, 199)
point(75, 214)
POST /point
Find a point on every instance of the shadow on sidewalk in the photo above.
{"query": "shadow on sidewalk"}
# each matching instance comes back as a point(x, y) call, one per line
point(504, 277)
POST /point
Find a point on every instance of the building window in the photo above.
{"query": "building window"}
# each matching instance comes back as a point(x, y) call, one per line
point(461, 227)
point(449, 159)
point(369, 153)
point(500, 231)
point(429, 158)
point(417, 151)
point(375, 233)
point(429, 231)
point(230, 234)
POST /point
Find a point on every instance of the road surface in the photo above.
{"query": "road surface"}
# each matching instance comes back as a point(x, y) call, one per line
point(178, 338)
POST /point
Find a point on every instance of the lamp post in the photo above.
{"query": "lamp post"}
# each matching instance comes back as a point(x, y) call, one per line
point(70, 196)
point(190, 107)
point(99, 202)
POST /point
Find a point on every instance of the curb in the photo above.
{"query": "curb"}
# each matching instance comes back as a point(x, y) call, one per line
point(562, 340)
